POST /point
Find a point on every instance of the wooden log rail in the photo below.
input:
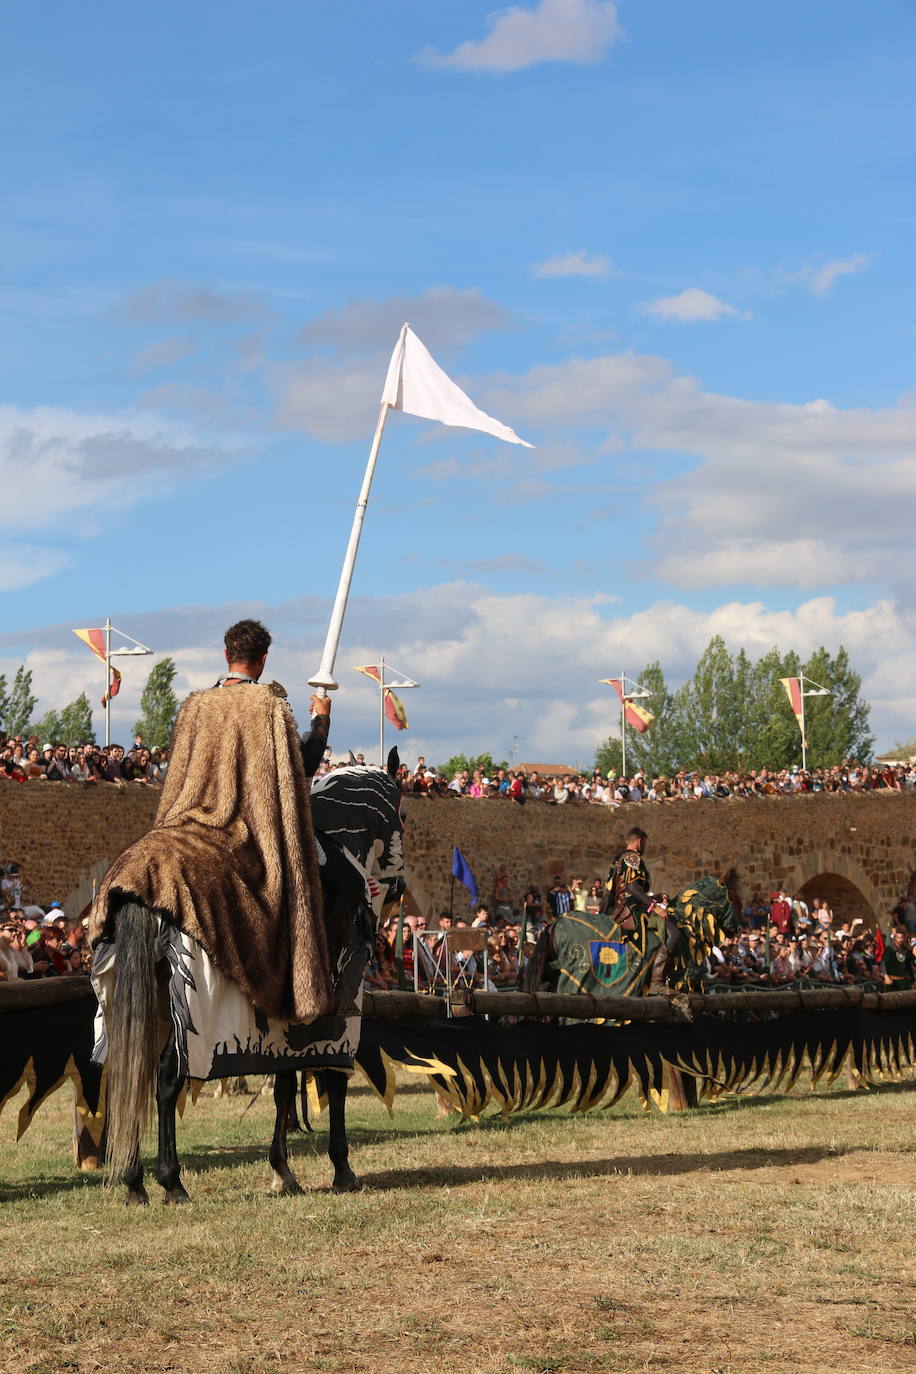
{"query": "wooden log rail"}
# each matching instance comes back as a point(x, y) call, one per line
point(583, 1007)
point(392, 1006)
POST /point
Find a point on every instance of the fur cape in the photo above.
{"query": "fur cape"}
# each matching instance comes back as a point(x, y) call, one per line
point(231, 855)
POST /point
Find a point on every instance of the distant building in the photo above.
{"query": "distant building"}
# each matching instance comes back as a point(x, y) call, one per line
point(547, 770)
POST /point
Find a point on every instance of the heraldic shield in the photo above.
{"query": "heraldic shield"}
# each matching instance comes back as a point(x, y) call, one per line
point(610, 962)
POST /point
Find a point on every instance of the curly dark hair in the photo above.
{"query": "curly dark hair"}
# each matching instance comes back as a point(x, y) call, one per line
point(247, 641)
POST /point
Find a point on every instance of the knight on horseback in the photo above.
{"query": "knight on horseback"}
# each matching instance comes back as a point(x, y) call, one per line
point(230, 938)
point(629, 898)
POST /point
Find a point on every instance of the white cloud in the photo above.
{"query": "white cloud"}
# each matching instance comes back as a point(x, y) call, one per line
point(63, 464)
point(162, 354)
point(553, 31)
point(689, 306)
point(487, 663)
point(443, 316)
point(189, 303)
point(820, 279)
point(21, 565)
point(804, 495)
point(335, 398)
point(578, 264)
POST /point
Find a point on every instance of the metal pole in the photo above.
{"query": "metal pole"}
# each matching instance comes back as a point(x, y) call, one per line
point(107, 681)
point(324, 680)
point(623, 726)
point(801, 693)
point(381, 713)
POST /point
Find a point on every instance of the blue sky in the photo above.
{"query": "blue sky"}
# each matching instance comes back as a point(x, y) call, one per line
point(669, 244)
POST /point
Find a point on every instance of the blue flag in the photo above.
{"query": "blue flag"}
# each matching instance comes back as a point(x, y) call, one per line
point(461, 870)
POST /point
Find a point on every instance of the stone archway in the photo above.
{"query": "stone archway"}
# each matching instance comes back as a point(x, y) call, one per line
point(842, 884)
point(843, 898)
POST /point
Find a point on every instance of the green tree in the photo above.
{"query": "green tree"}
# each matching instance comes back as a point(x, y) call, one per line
point(76, 722)
point(159, 705)
point(609, 756)
point(21, 703)
point(712, 709)
point(733, 713)
point(461, 763)
point(48, 728)
point(4, 700)
point(771, 737)
point(837, 726)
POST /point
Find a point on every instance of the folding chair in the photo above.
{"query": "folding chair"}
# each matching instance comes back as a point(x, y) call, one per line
point(463, 973)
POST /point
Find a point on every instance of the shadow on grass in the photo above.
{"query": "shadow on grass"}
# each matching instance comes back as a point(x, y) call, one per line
point(644, 1166)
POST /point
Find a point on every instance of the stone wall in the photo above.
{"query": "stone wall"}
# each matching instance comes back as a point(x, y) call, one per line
point(65, 835)
point(855, 850)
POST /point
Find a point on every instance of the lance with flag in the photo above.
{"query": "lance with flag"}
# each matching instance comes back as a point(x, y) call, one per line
point(416, 385)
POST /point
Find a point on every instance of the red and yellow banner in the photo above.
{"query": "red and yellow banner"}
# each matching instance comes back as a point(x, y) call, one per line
point(394, 710)
point(636, 716)
point(794, 693)
point(114, 686)
point(95, 640)
point(394, 706)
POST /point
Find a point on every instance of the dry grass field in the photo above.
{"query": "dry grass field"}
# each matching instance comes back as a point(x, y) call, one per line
point(755, 1234)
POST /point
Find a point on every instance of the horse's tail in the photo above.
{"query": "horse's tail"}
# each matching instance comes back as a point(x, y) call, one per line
point(536, 976)
point(133, 1039)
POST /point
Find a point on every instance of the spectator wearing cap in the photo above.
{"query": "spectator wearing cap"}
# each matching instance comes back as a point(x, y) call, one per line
point(58, 768)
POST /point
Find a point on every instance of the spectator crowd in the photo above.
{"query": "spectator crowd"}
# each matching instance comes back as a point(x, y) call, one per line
point(780, 942)
point(38, 941)
point(560, 788)
point(28, 760)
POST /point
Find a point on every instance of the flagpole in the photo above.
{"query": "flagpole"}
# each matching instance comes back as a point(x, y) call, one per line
point(107, 681)
point(324, 680)
point(623, 726)
point(801, 693)
point(381, 713)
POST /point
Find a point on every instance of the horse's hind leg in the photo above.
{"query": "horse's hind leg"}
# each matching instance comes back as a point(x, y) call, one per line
point(132, 1179)
point(168, 1088)
point(284, 1180)
point(345, 1181)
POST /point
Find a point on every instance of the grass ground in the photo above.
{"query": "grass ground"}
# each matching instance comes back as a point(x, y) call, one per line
point(754, 1234)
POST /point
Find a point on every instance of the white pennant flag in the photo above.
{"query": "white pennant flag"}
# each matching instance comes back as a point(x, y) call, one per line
point(417, 385)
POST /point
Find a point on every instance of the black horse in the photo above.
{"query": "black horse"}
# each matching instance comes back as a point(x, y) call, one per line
point(356, 815)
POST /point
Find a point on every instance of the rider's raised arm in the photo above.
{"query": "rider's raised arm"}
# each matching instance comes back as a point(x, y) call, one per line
point(315, 742)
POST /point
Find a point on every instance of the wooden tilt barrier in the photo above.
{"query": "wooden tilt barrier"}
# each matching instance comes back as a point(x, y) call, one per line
point(581, 1006)
point(72, 1000)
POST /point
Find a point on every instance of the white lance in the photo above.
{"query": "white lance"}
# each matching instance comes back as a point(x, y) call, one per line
point(416, 385)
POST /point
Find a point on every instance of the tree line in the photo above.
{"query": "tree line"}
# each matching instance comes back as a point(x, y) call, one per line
point(72, 724)
point(733, 715)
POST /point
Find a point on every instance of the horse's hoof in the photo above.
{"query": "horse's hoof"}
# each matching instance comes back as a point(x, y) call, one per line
point(137, 1199)
point(347, 1183)
point(286, 1187)
point(176, 1197)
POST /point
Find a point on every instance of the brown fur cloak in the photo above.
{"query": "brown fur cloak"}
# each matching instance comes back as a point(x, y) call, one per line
point(231, 855)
